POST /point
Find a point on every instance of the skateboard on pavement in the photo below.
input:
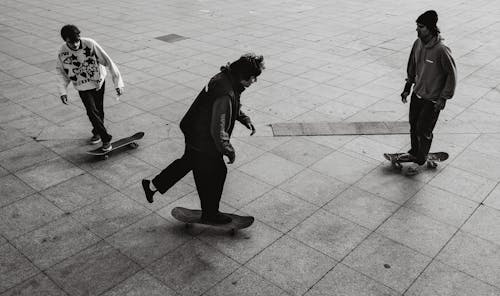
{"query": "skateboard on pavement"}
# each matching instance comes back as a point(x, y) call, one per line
point(397, 159)
point(128, 141)
point(191, 217)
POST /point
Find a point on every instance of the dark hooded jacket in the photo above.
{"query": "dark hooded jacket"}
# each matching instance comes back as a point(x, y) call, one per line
point(209, 122)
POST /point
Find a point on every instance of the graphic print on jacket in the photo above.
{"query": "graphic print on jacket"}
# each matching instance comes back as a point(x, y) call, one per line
point(81, 68)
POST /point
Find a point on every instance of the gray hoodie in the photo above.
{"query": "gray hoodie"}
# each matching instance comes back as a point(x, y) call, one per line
point(432, 68)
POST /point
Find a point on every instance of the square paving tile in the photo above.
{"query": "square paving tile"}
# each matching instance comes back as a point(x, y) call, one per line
point(280, 209)
point(440, 279)
point(493, 199)
point(142, 283)
point(77, 192)
point(485, 223)
point(240, 189)
point(14, 267)
point(93, 271)
point(345, 281)
point(417, 231)
point(11, 138)
point(362, 207)
point(388, 262)
point(330, 234)
point(161, 154)
point(244, 282)
point(392, 186)
point(291, 265)
point(24, 156)
point(26, 215)
point(193, 268)
point(110, 214)
point(343, 167)
point(148, 239)
point(245, 244)
point(12, 189)
point(271, 169)
point(55, 242)
point(466, 184)
point(48, 173)
point(441, 205)
point(314, 187)
point(302, 151)
point(474, 256)
point(39, 285)
point(478, 163)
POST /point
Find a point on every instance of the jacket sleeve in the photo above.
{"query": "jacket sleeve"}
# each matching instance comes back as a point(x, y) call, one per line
point(449, 67)
point(244, 119)
point(106, 61)
point(62, 78)
point(411, 68)
point(221, 113)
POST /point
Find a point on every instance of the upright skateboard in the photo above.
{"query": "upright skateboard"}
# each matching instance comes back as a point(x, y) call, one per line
point(128, 141)
point(397, 159)
point(190, 217)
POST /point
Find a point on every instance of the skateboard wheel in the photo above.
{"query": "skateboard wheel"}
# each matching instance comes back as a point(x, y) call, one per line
point(133, 145)
point(104, 157)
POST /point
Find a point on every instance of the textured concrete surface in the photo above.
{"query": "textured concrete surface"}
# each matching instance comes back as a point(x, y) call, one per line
point(332, 217)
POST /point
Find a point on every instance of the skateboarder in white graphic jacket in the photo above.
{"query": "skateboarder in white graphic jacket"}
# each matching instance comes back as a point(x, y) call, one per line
point(83, 62)
point(432, 72)
point(207, 128)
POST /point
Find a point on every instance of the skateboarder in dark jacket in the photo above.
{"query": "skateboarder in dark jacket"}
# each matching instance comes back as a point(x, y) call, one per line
point(207, 128)
point(432, 72)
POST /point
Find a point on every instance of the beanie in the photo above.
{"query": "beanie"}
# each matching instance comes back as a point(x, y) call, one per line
point(429, 19)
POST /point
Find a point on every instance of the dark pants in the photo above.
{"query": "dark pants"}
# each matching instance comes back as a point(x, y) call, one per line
point(423, 118)
point(93, 101)
point(209, 176)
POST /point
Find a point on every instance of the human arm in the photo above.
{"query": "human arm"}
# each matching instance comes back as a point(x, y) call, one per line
point(245, 120)
point(449, 67)
point(106, 61)
point(62, 81)
point(410, 74)
point(221, 113)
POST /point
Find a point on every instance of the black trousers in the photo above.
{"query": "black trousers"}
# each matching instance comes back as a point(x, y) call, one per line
point(209, 173)
point(93, 101)
point(423, 118)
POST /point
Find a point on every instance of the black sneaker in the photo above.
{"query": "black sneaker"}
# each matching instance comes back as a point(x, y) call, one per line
point(147, 191)
point(218, 219)
point(106, 146)
point(96, 139)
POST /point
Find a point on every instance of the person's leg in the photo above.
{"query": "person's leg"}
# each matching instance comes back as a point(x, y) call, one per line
point(173, 172)
point(415, 110)
point(99, 101)
point(209, 175)
point(89, 101)
point(426, 123)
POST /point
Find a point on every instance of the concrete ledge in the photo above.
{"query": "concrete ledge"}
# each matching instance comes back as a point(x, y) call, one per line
point(340, 128)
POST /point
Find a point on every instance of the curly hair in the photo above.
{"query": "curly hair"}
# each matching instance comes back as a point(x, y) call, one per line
point(248, 65)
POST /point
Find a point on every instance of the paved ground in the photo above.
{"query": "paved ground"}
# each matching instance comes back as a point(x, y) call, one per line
point(332, 217)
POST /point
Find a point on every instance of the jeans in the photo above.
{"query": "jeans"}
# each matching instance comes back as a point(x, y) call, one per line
point(209, 173)
point(93, 101)
point(423, 118)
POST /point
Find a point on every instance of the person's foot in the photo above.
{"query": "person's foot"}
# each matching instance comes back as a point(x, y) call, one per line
point(96, 139)
point(147, 190)
point(106, 146)
point(414, 169)
point(218, 218)
point(431, 164)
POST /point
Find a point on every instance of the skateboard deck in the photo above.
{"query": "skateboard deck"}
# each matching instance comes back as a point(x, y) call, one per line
point(128, 141)
point(397, 159)
point(190, 217)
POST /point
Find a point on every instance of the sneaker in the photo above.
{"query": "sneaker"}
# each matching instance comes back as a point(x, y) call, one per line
point(431, 164)
point(106, 146)
point(414, 169)
point(218, 219)
point(95, 139)
point(147, 190)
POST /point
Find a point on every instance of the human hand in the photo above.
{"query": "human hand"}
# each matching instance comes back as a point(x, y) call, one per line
point(64, 99)
point(251, 127)
point(404, 96)
point(232, 156)
point(440, 103)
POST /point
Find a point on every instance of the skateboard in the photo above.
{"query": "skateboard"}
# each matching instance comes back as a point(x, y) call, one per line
point(397, 159)
point(190, 217)
point(128, 141)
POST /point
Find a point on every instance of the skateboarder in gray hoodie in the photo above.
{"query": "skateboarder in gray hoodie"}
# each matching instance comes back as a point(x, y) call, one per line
point(207, 128)
point(432, 73)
